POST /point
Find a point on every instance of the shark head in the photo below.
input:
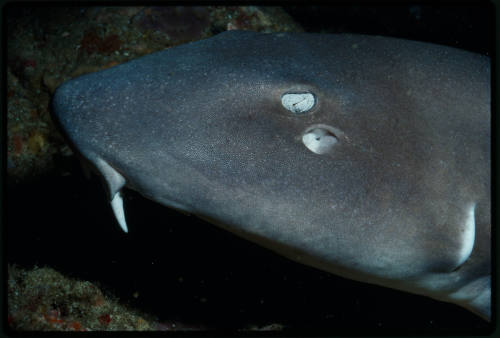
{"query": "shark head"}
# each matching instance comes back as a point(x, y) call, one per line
point(354, 154)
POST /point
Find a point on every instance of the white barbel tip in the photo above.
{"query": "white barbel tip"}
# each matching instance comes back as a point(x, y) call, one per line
point(117, 206)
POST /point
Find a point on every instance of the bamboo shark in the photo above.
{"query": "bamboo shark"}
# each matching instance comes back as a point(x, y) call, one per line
point(364, 156)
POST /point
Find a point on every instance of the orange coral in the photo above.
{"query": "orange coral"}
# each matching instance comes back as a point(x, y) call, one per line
point(93, 43)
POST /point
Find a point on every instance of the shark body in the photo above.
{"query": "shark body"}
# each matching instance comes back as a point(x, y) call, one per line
point(364, 156)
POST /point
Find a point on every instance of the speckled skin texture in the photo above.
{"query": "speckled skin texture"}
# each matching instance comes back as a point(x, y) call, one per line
point(201, 127)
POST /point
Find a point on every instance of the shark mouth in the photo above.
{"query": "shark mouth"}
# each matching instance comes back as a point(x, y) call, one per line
point(114, 182)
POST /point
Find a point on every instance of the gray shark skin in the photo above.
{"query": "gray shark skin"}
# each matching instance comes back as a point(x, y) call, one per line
point(364, 156)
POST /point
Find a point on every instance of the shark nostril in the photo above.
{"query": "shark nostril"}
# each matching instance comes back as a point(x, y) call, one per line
point(320, 139)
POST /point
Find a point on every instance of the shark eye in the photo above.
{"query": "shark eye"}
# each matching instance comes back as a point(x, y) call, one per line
point(298, 103)
point(321, 139)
